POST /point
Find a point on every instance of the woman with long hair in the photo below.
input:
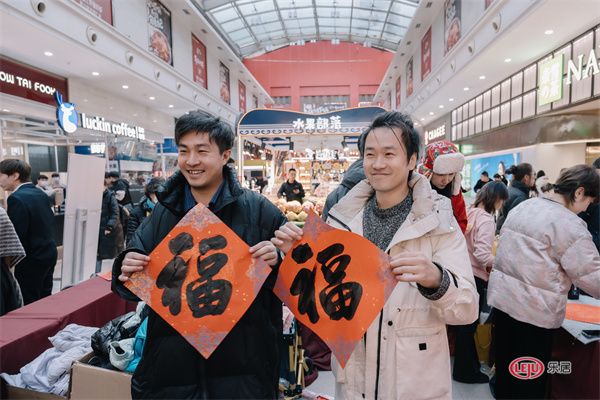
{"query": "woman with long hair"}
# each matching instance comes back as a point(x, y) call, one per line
point(480, 236)
point(544, 247)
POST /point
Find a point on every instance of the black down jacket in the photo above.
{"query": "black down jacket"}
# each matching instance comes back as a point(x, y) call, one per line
point(139, 213)
point(246, 364)
point(517, 193)
point(108, 245)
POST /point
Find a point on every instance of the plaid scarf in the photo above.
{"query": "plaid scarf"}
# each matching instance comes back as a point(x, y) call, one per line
point(10, 246)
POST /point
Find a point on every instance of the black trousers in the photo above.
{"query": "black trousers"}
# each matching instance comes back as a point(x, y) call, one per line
point(35, 278)
point(466, 360)
point(516, 339)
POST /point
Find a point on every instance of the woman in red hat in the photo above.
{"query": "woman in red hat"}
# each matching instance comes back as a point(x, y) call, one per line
point(442, 163)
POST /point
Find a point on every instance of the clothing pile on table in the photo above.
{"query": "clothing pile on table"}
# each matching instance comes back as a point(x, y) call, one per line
point(117, 345)
point(50, 372)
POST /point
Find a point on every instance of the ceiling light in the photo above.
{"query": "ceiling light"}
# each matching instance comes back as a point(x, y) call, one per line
point(450, 99)
point(151, 98)
point(441, 106)
point(548, 32)
point(346, 148)
point(125, 87)
point(85, 100)
point(154, 120)
point(96, 73)
point(482, 77)
point(466, 88)
point(430, 112)
point(48, 54)
point(422, 119)
point(5, 110)
point(135, 115)
point(507, 60)
point(170, 105)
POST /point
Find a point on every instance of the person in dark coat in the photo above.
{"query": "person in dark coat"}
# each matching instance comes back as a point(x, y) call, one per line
point(591, 216)
point(32, 217)
point(483, 179)
point(143, 209)
point(518, 191)
point(246, 363)
point(291, 188)
point(354, 175)
point(11, 253)
point(110, 237)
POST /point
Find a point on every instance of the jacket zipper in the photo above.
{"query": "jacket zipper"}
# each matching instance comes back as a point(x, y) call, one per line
point(339, 222)
point(378, 355)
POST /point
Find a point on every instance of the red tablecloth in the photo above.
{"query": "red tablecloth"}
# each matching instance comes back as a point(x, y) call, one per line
point(582, 382)
point(24, 332)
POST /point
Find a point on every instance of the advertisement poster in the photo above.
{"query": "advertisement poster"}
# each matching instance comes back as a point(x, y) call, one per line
point(100, 8)
point(426, 55)
point(409, 77)
point(224, 83)
point(199, 62)
point(451, 24)
point(242, 96)
point(492, 165)
point(159, 31)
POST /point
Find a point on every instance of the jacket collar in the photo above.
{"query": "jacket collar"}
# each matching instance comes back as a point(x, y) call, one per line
point(171, 194)
point(520, 186)
point(421, 219)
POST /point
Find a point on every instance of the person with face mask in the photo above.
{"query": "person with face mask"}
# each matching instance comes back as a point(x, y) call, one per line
point(544, 247)
point(42, 184)
point(143, 209)
point(442, 163)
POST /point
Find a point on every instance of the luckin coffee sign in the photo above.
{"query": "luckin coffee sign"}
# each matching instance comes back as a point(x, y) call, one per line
point(68, 120)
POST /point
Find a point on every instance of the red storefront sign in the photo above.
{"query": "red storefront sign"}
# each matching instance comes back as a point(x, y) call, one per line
point(30, 83)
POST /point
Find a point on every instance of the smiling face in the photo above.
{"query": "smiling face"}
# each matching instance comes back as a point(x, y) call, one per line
point(200, 161)
point(385, 162)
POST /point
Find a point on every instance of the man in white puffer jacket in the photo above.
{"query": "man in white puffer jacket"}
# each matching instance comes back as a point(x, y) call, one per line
point(404, 354)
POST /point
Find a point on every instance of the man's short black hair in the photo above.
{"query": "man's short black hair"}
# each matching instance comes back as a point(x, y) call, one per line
point(114, 174)
point(12, 165)
point(55, 175)
point(596, 163)
point(485, 173)
point(394, 120)
point(40, 176)
point(218, 131)
point(106, 175)
point(497, 176)
point(292, 169)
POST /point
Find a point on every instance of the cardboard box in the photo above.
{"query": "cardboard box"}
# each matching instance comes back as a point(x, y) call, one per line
point(89, 382)
point(11, 392)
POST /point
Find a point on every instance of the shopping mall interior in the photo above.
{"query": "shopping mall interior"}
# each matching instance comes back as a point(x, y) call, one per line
point(92, 88)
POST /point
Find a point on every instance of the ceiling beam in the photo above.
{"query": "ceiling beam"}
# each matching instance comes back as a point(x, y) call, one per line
point(210, 4)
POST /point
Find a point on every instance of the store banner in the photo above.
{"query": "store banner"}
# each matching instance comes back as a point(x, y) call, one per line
point(398, 93)
point(426, 55)
point(224, 83)
point(201, 279)
point(100, 8)
point(452, 24)
point(242, 96)
point(160, 40)
point(284, 123)
point(30, 83)
point(409, 77)
point(324, 282)
point(199, 62)
point(550, 79)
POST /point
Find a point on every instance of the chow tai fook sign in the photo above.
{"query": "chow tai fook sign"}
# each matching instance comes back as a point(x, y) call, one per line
point(277, 123)
point(30, 83)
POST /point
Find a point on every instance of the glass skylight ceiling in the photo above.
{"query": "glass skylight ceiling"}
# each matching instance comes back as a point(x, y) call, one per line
point(253, 27)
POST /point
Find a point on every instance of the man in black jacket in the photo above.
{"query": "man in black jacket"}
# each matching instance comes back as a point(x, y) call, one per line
point(30, 213)
point(291, 188)
point(483, 179)
point(246, 363)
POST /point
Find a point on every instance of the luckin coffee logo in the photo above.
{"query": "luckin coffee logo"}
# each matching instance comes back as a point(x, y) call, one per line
point(66, 115)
